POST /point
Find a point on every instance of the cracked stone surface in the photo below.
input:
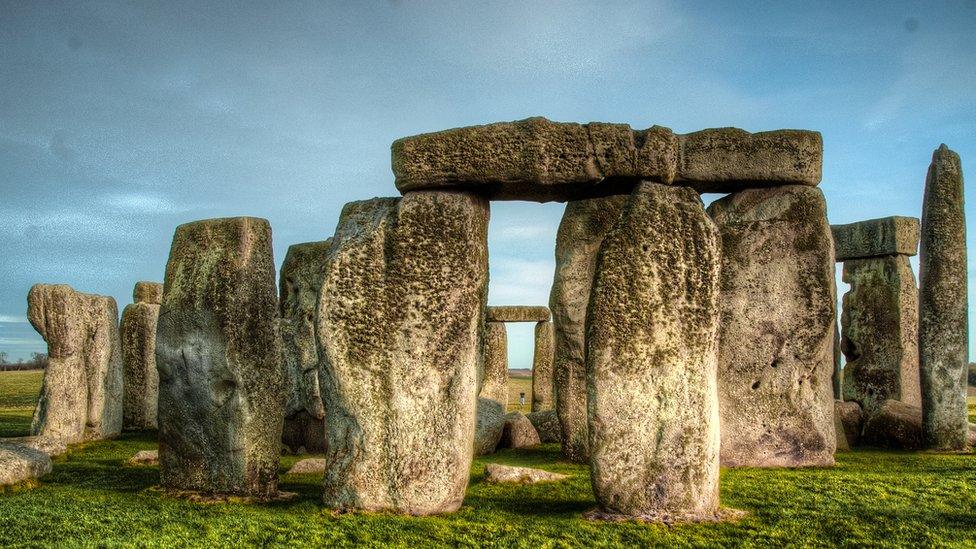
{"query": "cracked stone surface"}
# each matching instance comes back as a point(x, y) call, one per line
point(218, 353)
point(138, 334)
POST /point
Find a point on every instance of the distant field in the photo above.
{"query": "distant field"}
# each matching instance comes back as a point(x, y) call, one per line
point(18, 395)
point(518, 385)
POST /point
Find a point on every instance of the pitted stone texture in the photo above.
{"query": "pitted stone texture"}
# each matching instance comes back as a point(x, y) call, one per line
point(141, 394)
point(652, 334)
point(838, 376)
point(310, 466)
point(943, 327)
point(848, 419)
point(495, 386)
point(300, 281)
point(50, 446)
point(542, 388)
point(546, 423)
point(584, 225)
point(536, 159)
point(147, 292)
point(489, 426)
point(895, 425)
point(894, 235)
point(497, 473)
point(20, 463)
point(218, 352)
point(776, 359)
point(880, 332)
point(81, 396)
point(722, 160)
point(518, 313)
point(400, 323)
point(518, 432)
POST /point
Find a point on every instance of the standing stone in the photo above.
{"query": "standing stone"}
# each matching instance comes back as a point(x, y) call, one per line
point(138, 333)
point(400, 322)
point(943, 326)
point(652, 335)
point(777, 332)
point(81, 396)
point(581, 232)
point(495, 386)
point(218, 352)
point(542, 390)
point(301, 278)
point(880, 332)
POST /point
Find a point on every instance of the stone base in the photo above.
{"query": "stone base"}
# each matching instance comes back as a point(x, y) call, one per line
point(203, 497)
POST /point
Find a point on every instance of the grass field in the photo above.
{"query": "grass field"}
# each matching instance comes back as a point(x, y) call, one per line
point(882, 499)
point(18, 394)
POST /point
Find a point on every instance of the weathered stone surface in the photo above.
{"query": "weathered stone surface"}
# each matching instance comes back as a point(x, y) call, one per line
point(584, 225)
point(147, 292)
point(518, 432)
point(497, 473)
point(894, 235)
point(721, 160)
point(837, 379)
point(880, 332)
point(49, 445)
point(652, 335)
point(943, 327)
point(894, 425)
point(542, 387)
point(489, 426)
point(495, 385)
point(536, 159)
point(145, 458)
point(546, 424)
point(310, 466)
point(518, 313)
point(218, 352)
point(19, 463)
point(301, 278)
point(81, 396)
point(778, 294)
point(848, 418)
point(138, 334)
point(400, 322)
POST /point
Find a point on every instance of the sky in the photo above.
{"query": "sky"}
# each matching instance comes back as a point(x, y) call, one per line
point(119, 121)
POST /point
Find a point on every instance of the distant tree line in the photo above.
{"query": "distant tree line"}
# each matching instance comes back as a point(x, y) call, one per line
point(38, 361)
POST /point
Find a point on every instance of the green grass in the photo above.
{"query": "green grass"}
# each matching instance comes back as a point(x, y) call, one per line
point(870, 498)
point(18, 394)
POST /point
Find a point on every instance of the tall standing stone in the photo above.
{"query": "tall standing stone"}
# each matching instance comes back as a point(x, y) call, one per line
point(400, 322)
point(495, 385)
point(943, 342)
point(542, 389)
point(138, 333)
point(777, 329)
point(81, 395)
point(652, 335)
point(218, 352)
point(584, 225)
point(300, 281)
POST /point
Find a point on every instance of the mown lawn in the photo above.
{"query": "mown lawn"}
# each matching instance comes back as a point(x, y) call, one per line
point(18, 394)
point(870, 498)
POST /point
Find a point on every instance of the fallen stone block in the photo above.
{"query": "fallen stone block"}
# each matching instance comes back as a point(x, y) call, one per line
point(546, 424)
point(49, 445)
point(145, 458)
point(894, 235)
point(310, 466)
point(498, 473)
point(894, 425)
point(20, 463)
point(518, 432)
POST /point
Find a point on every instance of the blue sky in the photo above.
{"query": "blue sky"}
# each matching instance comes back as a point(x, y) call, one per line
point(120, 121)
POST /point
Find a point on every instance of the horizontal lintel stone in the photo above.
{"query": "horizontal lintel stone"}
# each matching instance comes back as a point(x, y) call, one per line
point(518, 313)
point(895, 235)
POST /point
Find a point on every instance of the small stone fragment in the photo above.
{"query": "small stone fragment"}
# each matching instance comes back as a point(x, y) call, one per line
point(943, 327)
point(498, 473)
point(309, 466)
point(542, 387)
point(518, 313)
point(518, 432)
point(138, 335)
point(489, 426)
point(495, 385)
point(20, 463)
point(546, 424)
point(145, 458)
point(894, 425)
point(894, 235)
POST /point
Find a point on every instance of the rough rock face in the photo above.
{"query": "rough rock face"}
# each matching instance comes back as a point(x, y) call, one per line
point(546, 423)
point(50, 446)
point(488, 427)
point(894, 425)
point(301, 278)
point(943, 327)
point(218, 352)
point(498, 473)
point(542, 388)
point(495, 385)
point(880, 332)
point(849, 418)
point(310, 466)
point(81, 396)
point(775, 393)
point(535, 159)
point(652, 335)
point(19, 463)
point(518, 432)
point(584, 225)
point(138, 335)
point(518, 313)
point(894, 235)
point(400, 322)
